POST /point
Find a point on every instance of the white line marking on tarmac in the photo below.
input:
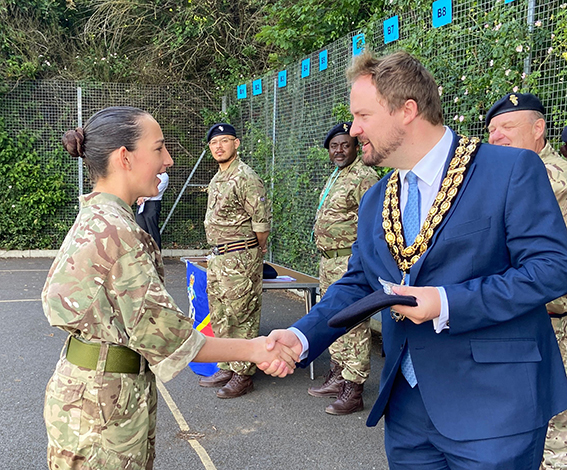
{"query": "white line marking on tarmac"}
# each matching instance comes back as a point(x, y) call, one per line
point(19, 300)
point(201, 452)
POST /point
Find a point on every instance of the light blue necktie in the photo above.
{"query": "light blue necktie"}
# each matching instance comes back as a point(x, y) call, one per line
point(411, 225)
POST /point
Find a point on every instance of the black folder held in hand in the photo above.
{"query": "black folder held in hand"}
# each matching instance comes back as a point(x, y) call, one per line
point(364, 308)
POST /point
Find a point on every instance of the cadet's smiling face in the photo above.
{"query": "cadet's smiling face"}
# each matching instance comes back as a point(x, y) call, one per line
point(151, 157)
point(343, 150)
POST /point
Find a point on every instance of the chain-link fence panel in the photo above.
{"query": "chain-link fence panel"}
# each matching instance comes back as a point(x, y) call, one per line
point(483, 50)
point(41, 111)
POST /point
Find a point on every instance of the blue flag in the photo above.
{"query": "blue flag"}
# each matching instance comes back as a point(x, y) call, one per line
point(199, 311)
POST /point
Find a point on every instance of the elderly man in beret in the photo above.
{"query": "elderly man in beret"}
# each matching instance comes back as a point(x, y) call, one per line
point(237, 225)
point(335, 232)
point(518, 120)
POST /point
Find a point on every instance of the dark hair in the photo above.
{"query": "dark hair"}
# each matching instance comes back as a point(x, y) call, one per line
point(399, 77)
point(106, 131)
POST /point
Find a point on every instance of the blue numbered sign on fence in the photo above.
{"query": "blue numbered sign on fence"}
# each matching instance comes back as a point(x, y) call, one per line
point(305, 67)
point(508, 1)
point(241, 91)
point(391, 29)
point(257, 87)
point(282, 78)
point(442, 13)
point(323, 55)
point(357, 44)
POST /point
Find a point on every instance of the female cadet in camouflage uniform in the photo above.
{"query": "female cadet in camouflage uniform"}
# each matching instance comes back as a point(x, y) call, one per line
point(106, 289)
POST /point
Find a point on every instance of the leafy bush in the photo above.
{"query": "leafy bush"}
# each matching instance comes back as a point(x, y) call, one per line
point(32, 194)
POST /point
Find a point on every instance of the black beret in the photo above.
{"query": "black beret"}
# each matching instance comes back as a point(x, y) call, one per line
point(222, 128)
point(564, 135)
point(515, 102)
point(364, 308)
point(269, 272)
point(340, 128)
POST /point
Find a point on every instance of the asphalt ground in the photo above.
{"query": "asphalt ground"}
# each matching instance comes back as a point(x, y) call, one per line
point(277, 426)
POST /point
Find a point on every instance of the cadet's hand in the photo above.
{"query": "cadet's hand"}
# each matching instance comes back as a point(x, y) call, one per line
point(281, 337)
point(279, 354)
point(428, 303)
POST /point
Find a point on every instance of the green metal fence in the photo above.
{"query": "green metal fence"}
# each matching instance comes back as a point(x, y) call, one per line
point(477, 50)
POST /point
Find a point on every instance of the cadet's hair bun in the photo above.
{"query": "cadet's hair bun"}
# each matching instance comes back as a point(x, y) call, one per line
point(73, 142)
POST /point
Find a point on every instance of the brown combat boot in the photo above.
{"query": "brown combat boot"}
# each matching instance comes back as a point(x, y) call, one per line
point(237, 386)
point(332, 384)
point(218, 379)
point(349, 400)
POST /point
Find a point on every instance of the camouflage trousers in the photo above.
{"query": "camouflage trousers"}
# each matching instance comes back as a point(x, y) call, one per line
point(352, 350)
point(234, 289)
point(555, 450)
point(98, 420)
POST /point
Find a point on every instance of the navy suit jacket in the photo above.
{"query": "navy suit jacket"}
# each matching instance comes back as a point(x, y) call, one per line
point(501, 255)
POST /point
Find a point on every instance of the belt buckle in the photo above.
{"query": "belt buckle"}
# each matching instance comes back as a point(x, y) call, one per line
point(216, 251)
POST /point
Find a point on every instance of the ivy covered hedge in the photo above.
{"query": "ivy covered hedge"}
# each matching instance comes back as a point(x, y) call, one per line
point(33, 194)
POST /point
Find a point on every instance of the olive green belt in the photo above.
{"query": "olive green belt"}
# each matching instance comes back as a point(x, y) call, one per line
point(336, 253)
point(119, 359)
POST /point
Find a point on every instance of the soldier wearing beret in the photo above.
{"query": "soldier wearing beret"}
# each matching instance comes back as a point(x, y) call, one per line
point(335, 232)
point(518, 120)
point(237, 224)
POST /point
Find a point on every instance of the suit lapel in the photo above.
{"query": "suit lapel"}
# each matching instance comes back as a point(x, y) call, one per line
point(414, 272)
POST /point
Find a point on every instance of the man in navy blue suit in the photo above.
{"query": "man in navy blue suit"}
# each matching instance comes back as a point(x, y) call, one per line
point(473, 373)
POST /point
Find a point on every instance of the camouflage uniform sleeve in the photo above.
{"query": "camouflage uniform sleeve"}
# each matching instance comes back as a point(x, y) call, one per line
point(365, 184)
point(256, 202)
point(156, 327)
point(557, 172)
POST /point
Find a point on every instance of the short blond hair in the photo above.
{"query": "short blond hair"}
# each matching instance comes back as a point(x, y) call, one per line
point(399, 77)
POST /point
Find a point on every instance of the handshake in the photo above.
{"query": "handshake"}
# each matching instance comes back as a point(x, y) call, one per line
point(282, 349)
point(275, 354)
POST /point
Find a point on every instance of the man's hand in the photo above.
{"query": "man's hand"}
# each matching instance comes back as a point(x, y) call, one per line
point(276, 338)
point(428, 303)
point(278, 353)
point(140, 200)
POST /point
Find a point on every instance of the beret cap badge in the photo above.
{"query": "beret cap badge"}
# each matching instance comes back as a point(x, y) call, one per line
point(221, 128)
point(340, 128)
point(512, 102)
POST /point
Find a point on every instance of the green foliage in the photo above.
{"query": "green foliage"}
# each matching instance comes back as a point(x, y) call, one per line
point(211, 117)
point(32, 194)
point(299, 27)
point(487, 51)
point(295, 198)
point(341, 112)
point(294, 188)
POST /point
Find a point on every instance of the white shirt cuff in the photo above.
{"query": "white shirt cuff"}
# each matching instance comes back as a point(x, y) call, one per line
point(304, 342)
point(442, 322)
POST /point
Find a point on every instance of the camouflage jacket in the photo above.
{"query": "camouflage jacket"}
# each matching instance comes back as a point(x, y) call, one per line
point(237, 205)
point(107, 285)
point(337, 219)
point(557, 172)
